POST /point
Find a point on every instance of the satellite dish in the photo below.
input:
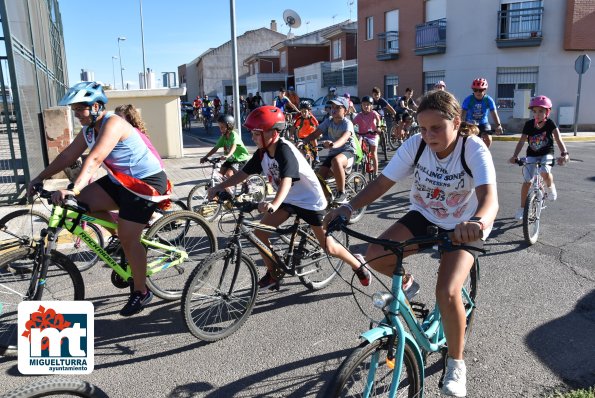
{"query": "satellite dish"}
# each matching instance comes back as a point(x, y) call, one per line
point(292, 19)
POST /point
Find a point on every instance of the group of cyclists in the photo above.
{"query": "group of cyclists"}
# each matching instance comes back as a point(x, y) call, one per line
point(454, 180)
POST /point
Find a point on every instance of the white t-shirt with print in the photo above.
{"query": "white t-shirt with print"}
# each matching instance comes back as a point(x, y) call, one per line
point(442, 190)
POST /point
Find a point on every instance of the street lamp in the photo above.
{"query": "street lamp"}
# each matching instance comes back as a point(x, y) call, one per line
point(122, 38)
point(114, 70)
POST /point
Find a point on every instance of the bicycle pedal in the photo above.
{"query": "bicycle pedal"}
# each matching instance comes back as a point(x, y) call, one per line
point(419, 309)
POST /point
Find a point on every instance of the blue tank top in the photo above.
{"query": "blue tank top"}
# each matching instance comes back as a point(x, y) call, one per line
point(130, 156)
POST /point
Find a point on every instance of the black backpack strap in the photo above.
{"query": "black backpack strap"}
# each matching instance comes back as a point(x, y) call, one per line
point(420, 150)
point(463, 162)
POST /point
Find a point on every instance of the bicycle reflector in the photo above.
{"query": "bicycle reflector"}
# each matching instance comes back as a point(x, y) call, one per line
point(381, 299)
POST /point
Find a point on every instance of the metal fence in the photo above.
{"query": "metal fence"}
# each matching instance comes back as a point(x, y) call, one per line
point(33, 77)
point(341, 73)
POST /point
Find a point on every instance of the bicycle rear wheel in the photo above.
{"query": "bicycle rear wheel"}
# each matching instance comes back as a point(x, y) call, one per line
point(531, 218)
point(199, 203)
point(184, 230)
point(355, 182)
point(219, 295)
point(351, 378)
point(57, 386)
point(17, 267)
point(316, 268)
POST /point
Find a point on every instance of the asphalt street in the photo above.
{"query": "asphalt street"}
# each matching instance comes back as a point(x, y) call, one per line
point(533, 332)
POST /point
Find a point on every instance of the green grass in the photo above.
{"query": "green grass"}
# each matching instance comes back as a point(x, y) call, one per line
point(588, 393)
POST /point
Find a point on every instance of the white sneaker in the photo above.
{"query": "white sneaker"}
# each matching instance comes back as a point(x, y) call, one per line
point(519, 214)
point(455, 379)
point(552, 193)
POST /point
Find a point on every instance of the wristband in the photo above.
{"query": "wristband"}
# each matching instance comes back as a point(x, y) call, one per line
point(76, 191)
point(478, 221)
point(349, 207)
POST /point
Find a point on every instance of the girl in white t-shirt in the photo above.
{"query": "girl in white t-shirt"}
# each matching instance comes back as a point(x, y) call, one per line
point(452, 189)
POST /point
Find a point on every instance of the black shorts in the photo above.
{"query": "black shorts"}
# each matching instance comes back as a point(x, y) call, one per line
point(236, 166)
point(327, 162)
point(485, 128)
point(418, 225)
point(312, 217)
point(132, 207)
point(402, 116)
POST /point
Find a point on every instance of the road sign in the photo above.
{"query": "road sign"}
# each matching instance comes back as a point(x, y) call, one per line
point(582, 64)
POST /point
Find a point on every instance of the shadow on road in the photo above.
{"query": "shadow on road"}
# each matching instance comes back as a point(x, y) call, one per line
point(567, 345)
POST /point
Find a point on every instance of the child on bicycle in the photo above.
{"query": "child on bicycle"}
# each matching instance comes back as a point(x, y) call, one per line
point(540, 133)
point(476, 108)
point(235, 152)
point(305, 124)
point(341, 145)
point(446, 195)
point(367, 122)
point(296, 184)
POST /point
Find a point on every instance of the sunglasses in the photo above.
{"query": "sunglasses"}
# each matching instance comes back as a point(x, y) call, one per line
point(479, 90)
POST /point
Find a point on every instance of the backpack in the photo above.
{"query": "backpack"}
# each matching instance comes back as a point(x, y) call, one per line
point(422, 146)
point(359, 154)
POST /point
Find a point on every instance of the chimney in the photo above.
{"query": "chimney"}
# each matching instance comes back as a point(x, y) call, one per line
point(273, 25)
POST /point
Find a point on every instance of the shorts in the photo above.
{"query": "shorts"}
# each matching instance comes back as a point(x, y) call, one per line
point(234, 165)
point(132, 207)
point(485, 128)
point(529, 169)
point(349, 155)
point(371, 141)
point(400, 116)
point(418, 225)
point(312, 217)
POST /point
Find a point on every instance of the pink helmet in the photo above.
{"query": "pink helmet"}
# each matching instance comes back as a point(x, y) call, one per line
point(542, 101)
point(480, 83)
point(347, 95)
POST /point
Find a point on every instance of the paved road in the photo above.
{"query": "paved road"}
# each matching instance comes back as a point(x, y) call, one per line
point(533, 333)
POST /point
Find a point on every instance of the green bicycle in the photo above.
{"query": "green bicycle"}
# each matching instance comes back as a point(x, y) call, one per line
point(39, 270)
point(390, 362)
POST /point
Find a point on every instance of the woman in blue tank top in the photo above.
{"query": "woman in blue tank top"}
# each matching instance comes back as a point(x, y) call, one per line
point(135, 183)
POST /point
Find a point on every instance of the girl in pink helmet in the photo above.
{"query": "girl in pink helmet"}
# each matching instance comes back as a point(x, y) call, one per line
point(539, 133)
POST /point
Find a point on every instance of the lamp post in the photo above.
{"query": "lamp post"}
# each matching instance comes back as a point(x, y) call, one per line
point(114, 70)
point(122, 38)
point(142, 36)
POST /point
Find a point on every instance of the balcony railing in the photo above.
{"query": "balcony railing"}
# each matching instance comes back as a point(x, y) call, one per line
point(520, 28)
point(388, 46)
point(340, 73)
point(430, 37)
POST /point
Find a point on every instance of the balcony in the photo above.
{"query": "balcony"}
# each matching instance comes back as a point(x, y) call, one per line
point(388, 46)
point(520, 28)
point(430, 37)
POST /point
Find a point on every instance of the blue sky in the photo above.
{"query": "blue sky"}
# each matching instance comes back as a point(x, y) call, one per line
point(175, 32)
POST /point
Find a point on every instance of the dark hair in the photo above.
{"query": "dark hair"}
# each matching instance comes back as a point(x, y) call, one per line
point(448, 106)
point(408, 89)
point(376, 90)
point(282, 89)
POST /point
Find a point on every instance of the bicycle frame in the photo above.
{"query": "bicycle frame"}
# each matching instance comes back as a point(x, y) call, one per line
point(70, 220)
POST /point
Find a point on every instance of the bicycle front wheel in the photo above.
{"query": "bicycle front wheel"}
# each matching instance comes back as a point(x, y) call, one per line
point(219, 295)
point(22, 223)
point(470, 290)
point(199, 203)
point(17, 268)
point(393, 140)
point(531, 215)
point(57, 386)
point(355, 182)
point(351, 379)
point(317, 269)
point(256, 187)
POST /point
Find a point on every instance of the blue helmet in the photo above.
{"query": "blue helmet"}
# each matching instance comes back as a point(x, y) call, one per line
point(85, 92)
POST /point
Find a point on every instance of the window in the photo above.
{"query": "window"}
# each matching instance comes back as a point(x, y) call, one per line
point(257, 67)
point(431, 78)
point(369, 28)
point(391, 82)
point(283, 59)
point(336, 48)
point(520, 19)
point(511, 79)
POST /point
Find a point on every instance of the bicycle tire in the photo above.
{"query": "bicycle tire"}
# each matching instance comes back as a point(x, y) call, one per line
point(82, 256)
point(316, 269)
point(393, 140)
point(57, 385)
point(227, 297)
point(355, 182)
point(383, 144)
point(181, 229)
point(351, 377)
point(531, 218)
point(256, 187)
point(63, 282)
point(199, 203)
point(471, 285)
point(24, 223)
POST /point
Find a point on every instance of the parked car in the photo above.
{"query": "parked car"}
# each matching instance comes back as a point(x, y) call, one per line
point(319, 112)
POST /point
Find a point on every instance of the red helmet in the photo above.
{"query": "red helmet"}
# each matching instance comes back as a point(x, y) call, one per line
point(542, 101)
point(480, 83)
point(265, 118)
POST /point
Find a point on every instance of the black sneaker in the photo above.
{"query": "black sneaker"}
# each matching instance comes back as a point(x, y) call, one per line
point(136, 303)
point(268, 282)
point(341, 197)
point(113, 245)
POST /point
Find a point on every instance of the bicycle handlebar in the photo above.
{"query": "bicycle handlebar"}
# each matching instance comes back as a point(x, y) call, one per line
point(244, 207)
point(70, 202)
point(523, 162)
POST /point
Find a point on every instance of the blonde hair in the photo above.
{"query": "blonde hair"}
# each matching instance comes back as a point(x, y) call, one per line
point(132, 116)
point(448, 106)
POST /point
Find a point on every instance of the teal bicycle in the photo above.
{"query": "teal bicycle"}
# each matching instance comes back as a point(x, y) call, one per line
point(391, 360)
